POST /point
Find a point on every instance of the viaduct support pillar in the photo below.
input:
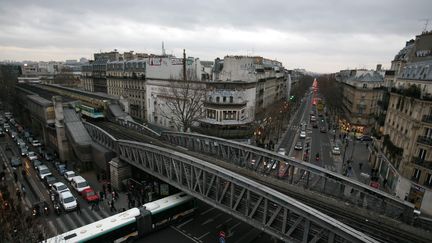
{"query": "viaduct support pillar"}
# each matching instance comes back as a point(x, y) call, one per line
point(62, 145)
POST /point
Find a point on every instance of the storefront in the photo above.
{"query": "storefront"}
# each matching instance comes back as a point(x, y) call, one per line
point(415, 195)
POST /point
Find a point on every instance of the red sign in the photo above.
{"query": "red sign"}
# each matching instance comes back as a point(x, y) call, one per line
point(375, 184)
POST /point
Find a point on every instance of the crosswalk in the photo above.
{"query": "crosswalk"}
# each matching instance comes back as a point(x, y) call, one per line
point(72, 220)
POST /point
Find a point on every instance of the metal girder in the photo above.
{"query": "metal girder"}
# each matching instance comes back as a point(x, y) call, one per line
point(243, 198)
point(247, 200)
point(101, 136)
point(294, 172)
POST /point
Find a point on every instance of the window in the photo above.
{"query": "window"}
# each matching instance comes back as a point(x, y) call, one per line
point(428, 180)
point(416, 175)
point(364, 86)
point(231, 99)
point(217, 99)
point(224, 99)
point(422, 154)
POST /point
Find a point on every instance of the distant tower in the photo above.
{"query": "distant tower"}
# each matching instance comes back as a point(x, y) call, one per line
point(163, 49)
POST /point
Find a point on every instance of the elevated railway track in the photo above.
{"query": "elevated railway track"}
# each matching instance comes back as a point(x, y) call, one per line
point(380, 228)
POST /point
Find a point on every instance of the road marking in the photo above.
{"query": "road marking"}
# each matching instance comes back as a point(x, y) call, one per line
point(184, 223)
point(230, 229)
point(208, 210)
point(72, 225)
point(188, 236)
point(208, 221)
point(76, 218)
point(204, 235)
point(52, 227)
point(60, 223)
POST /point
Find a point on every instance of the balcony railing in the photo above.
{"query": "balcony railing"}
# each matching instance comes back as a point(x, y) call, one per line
point(427, 118)
point(422, 162)
point(424, 140)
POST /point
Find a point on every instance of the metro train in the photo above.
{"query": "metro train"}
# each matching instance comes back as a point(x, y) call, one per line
point(89, 111)
point(133, 223)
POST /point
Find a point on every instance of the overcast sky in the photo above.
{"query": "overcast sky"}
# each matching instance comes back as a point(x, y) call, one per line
point(319, 35)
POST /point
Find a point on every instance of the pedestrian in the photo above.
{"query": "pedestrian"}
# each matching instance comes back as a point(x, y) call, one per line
point(109, 187)
point(113, 195)
point(18, 194)
point(23, 172)
point(384, 182)
point(78, 208)
point(367, 145)
point(360, 165)
point(101, 195)
point(104, 188)
point(23, 190)
point(112, 207)
point(15, 176)
point(93, 205)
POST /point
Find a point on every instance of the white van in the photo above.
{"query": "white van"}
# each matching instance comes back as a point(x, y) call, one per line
point(79, 183)
point(67, 200)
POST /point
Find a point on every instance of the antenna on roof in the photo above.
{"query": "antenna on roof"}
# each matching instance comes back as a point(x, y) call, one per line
point(163, 49)
point(426, 24)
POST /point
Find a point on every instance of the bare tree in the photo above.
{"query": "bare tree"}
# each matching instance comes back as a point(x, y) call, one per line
point(184, 101)
point(66, 77)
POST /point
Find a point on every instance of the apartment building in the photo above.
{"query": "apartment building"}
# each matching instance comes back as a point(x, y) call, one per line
point(242, 88)
point(362, 90)
point(403, 155)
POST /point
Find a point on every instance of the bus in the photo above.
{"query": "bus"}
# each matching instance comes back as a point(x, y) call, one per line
point(133, 223)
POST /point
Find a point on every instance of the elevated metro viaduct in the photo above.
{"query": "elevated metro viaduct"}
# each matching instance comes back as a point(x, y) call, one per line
point(260, 206)
point(300, 175)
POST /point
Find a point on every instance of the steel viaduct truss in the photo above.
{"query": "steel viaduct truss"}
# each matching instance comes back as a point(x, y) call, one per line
point(255, 204)
point(293, 172)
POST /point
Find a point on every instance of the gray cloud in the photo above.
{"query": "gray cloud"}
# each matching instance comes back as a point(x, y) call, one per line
point(319, 35)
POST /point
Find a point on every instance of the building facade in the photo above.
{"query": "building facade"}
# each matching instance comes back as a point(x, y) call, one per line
point(362, 90)
point(242, 88)
point(403, 155)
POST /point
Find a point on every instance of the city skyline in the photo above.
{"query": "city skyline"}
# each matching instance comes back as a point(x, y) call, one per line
point(317, 36)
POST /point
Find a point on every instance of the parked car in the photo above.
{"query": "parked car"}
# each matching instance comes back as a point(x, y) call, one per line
point(68, 175)
point(67, 201)
point(43, 171)
point(89, 195)
point(36, 163)
point(61, 168)
point(16, 161)
point(298, 146)
point(36, 143)
point(323, 129)
point(79, 183)
point(24, 151)
point(336, 150)
point(59, 187)
point(6, 127)
point(32, 155)
point(26, 134)
point(49, 181)
point(48, 156)
point(13, 134)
